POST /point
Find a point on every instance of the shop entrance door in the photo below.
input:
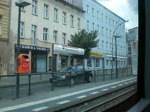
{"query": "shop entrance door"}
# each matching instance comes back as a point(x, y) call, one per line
point(41, 63)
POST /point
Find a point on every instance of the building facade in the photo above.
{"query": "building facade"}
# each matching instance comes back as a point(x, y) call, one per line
point(108, 25)
point(132, 40)
point(4, 37)
point(43, 24)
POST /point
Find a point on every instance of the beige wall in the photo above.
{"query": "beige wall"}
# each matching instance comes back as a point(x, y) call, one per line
point(4, 40)
point(29, 19)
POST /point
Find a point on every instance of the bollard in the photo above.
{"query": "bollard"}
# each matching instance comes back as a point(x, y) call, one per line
point(29, 84)
point(52, 81)
point(17, 85)
point(70, 78)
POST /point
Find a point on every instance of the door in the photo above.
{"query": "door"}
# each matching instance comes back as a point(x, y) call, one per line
point(41, 63)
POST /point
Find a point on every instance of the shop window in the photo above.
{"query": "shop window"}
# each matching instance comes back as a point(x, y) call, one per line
point(89, 63)
point(97, 62)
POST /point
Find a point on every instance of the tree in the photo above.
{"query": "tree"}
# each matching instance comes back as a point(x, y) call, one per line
point(85, 40)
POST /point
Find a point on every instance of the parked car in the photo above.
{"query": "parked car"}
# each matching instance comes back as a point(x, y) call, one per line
point(77, 73)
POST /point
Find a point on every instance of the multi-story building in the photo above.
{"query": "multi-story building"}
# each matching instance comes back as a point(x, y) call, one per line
point(4, 37)
point(44, 23)
point(108, 24)
point(132, 41)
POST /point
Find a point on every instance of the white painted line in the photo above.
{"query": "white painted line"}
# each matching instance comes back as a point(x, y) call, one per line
point(39, 109)
point(66, 101)
point(120, 84)
point(113, 87)
point(126, 83)
point(82, 96)
point(94, 92)
point(104, 89)
point(58, 97)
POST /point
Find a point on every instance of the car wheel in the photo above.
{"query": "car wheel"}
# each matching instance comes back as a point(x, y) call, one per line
point(72, 81)
point(90, 78)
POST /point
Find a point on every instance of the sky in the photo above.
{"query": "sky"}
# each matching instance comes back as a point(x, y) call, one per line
point(126, 9)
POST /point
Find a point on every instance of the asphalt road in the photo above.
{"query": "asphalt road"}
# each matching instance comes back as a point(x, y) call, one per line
point(10, 92)
point(69, 96)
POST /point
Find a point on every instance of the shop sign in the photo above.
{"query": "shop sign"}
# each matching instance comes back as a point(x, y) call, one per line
point(109, 57)
point(30, 47)
point(96, 54)
point(68, 49)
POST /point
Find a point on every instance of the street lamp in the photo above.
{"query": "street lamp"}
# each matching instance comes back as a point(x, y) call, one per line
point(20, 4)
point(115, 47)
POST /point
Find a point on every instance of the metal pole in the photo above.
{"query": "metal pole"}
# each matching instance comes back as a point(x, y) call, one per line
point(116, 57)
point(52, 66)
point(18, 52)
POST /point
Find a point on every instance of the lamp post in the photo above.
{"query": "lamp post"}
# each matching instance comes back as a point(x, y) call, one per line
point(115, 48)
point(20, 4)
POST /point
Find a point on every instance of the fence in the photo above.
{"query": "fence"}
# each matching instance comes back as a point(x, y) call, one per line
point(37, 82)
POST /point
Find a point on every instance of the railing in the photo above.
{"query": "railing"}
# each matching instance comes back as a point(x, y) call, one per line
point(31, 79)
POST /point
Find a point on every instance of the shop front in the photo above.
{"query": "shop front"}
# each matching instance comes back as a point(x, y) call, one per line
point(65, 55)
point(95, 60)
point(38, 57)
point(121, 61)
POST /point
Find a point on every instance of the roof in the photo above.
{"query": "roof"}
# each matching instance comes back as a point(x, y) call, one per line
point(71, 5)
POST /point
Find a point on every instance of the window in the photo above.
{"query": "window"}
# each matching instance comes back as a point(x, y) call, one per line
point(106, 32)
point(34, 7)
point(55, 33)
point(93, 26)
point(79, 23)
point(106, 45)
point(97, 62)
point(45, 34)
point(88, 25)
point(87, 9)
point(33, 34)
point(102, 30)
point(106, 20)
point(55, 15)
point(109, 21)
point(0, 25)
point(102, 44)
point(97, 14)
point(98, 29)
point(71, 20)
point(45, 11)
point(102, 16)
point(93, 12)
point(22, 9)
point(110, 33)
point(64, 18)
point(21, 29)
point(64, 38)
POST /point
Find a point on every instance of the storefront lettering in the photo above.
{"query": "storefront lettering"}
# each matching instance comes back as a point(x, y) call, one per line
point(29, 47)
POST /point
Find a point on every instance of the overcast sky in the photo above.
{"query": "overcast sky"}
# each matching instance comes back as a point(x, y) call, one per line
point(127, 9)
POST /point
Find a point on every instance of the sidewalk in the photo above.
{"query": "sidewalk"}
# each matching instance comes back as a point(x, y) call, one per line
point(44, 95)
point(11, 81)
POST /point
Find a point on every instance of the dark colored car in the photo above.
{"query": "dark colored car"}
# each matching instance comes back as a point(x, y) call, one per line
point(77, 73)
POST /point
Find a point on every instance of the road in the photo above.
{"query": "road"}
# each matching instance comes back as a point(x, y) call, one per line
point(48, 101)
point(10, 91)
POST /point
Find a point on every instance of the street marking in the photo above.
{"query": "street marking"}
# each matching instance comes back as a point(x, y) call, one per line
point(66, 101)
point(82, 96)
point(113, 87)
point(58, 97)
point(39, 109)
point(126, 83)
point(104, 89)
point(120, 84)
point(94, 92)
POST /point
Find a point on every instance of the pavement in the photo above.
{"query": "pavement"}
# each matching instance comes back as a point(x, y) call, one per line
point(4, 103)
point(24, 79)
